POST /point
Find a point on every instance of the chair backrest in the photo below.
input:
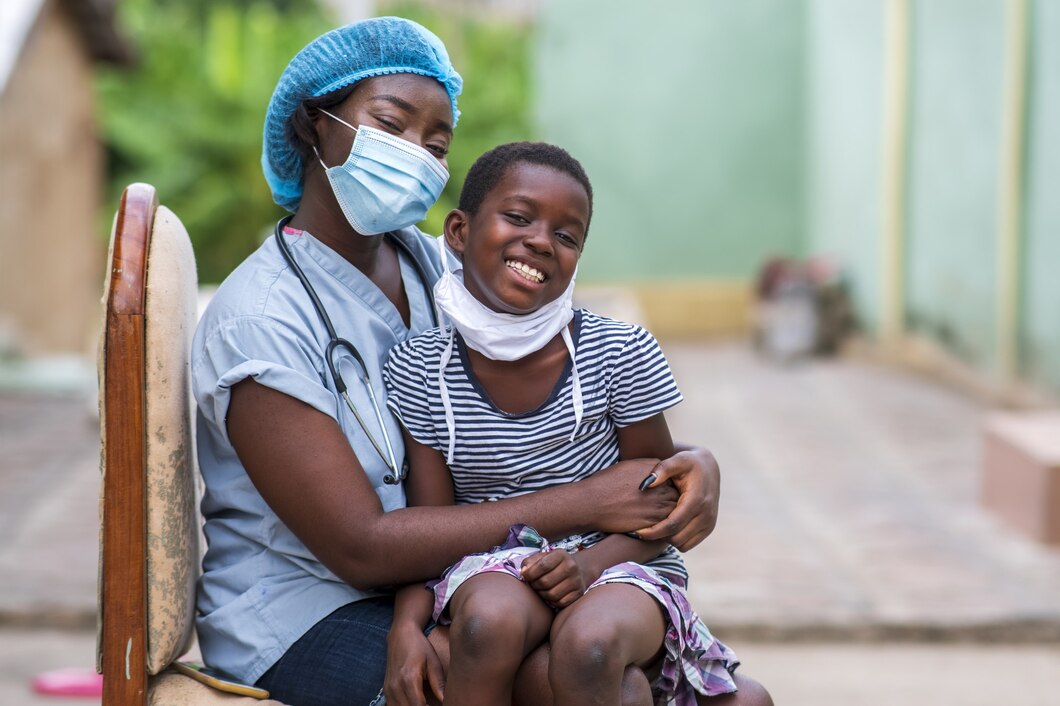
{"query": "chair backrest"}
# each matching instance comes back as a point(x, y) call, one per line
point(149, 556)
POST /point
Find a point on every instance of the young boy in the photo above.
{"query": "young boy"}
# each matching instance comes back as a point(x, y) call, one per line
point(534, 394)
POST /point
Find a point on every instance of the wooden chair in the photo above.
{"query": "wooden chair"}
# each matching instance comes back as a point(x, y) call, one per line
point(149, 536)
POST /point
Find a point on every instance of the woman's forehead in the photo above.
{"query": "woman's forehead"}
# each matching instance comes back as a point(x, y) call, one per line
point(411, 93)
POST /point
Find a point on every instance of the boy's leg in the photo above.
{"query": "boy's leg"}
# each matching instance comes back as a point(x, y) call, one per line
point(594, 640)
point(497, 621)
point(532, 687)
point(751, 693)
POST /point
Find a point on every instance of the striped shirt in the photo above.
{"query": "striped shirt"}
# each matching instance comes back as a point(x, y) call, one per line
point(624, 379)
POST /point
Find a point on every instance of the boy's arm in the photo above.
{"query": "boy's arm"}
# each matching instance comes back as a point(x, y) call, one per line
point(411, 660)
point(428, 484)
point(560, 578)
point(648, 438)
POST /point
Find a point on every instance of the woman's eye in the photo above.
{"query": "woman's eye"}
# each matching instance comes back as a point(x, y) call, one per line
point(389, 125)
point(517, 218)
point(438, 151)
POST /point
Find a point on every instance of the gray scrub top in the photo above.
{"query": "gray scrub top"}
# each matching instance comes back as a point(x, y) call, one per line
point(261, 589)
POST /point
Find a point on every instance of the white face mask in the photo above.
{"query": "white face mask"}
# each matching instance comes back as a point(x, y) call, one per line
point(494, 334)
point(386, 183)
point(497, 335)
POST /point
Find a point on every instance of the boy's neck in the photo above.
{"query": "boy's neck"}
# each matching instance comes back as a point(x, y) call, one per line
point(519, 386)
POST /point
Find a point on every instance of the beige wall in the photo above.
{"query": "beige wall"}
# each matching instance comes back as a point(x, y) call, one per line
point(51, 253)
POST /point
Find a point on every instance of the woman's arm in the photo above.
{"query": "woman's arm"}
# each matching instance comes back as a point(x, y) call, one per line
point(303, 466)
point(561, 579)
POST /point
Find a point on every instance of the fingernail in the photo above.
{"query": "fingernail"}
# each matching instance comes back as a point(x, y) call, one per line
point(647, 481)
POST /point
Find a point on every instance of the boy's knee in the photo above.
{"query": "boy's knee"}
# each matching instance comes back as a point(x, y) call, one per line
point(636, 689)
point(751, 692)
point(585, 650)
point(484, 631)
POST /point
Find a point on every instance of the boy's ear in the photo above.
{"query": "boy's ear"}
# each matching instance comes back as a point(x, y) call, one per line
point(455, 230)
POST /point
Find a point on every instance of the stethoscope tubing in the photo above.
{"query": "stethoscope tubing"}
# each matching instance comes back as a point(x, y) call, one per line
point(397, 473)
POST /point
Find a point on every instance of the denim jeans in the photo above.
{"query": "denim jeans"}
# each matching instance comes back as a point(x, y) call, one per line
point(341, 661)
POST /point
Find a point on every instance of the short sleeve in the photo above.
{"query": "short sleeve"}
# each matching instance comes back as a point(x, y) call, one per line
point(261, 348)
point(641, 382)
point(408, 392)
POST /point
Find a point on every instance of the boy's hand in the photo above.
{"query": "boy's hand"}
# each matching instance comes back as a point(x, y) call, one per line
point(556, 577)
point(411, 662)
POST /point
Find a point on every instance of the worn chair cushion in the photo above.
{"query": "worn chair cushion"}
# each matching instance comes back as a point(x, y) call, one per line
point(172, 474)
point(172, 689)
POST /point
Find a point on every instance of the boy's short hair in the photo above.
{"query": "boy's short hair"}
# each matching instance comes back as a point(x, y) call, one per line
point(490, 168)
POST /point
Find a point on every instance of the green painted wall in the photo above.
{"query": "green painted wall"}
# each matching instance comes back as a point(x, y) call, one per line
point(956, 98)
point(844, 128)
point(1040, 325)
point(688, 116)
point(955, 142)
point(717, 133)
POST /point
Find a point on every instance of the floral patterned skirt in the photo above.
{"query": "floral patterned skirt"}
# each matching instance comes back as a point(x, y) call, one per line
point(693, 661)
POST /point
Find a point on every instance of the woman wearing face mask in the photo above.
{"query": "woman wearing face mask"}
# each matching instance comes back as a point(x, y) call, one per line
point(305, 515)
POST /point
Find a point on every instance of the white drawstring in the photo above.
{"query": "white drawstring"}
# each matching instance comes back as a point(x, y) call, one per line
point(443, 363)
point(447, 405)
point(576, 381)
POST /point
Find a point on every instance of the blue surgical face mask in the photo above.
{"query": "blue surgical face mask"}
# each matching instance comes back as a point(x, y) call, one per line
point(386, 183)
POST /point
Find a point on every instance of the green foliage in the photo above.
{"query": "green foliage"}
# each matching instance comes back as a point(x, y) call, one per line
point(188, 119)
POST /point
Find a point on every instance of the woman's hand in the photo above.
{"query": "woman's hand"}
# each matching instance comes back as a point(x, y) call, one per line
point(613, 502)
point(695, 473)
point(410, 661)
point(556, 576)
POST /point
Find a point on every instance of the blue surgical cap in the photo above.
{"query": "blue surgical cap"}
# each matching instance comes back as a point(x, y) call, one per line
point(343, 56)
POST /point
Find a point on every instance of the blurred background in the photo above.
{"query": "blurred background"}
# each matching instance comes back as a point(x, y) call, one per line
point(834, 213)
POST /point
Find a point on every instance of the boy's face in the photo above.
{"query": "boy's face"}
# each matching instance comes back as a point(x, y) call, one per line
point(521, 248)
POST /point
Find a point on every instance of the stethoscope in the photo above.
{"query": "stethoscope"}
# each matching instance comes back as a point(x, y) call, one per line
point(396, 474)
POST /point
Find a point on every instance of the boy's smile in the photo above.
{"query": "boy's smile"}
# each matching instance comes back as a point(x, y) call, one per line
point(526, 271)
point(521, 248)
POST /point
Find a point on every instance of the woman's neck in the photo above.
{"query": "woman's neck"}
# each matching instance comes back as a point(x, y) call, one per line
point(378, 262)
point(330, 227)
point(359, 250)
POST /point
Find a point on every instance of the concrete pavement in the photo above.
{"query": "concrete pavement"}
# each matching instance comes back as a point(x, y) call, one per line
point(49, 518)
point(850, 519)
point(850, 507)
point(811, 674)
